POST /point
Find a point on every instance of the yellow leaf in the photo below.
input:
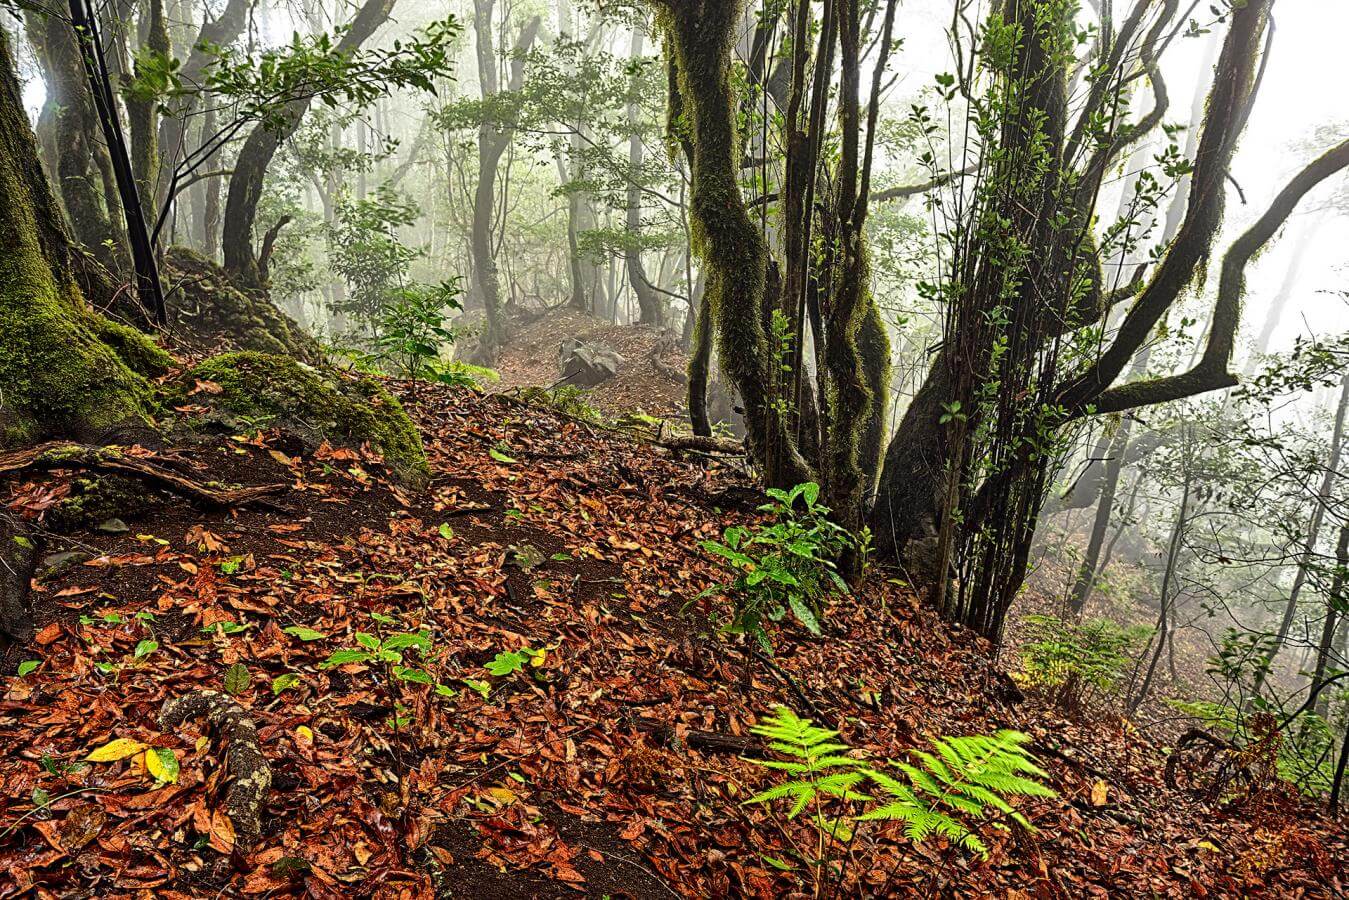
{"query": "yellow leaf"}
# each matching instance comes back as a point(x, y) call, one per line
point(202, 743)
point(1207, 845)
point(117, 749)
point(161, 764)
point(1100, 793)
point(304, 734)
point(502, 795)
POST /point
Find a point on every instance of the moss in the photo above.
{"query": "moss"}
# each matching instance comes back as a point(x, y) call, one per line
point(62, 369)
point(138, 350)
point(57, 375)
point(94, 500)
point(317, 404)
point(211, 313)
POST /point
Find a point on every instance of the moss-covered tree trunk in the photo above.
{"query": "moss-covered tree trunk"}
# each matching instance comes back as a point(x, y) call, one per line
point(700, 36)
point(82, 169)
point(142, 109)
point(63, 369)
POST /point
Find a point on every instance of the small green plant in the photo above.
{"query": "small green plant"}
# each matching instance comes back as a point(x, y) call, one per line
point(412, 327)
point(961, 784)
point(1070, 661)
point(785, 566)
point(389, 653)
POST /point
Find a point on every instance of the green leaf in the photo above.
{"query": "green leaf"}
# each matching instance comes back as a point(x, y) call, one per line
point(446, 531)
point(414, 675)
point(344, 657)
point(303, 633)
point(499, 456)
point(237, 679)
point(145, 648)
point(284, 682)
point(28, 667)
point(162, 764)
point(506, 662)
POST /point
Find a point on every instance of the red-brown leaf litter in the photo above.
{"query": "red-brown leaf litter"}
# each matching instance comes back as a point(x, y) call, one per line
point(589, 774)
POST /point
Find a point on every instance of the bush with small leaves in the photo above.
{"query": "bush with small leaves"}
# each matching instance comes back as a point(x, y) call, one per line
point(785, 566)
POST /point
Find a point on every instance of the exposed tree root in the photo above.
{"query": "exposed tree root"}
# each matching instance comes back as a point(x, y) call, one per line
point(66, 455)
point(250, 776)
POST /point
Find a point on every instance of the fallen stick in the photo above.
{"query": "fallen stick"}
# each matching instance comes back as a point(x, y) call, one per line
point(66, 455)
point(250, 776)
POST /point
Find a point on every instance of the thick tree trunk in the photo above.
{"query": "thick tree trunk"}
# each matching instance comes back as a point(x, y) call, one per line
point(82, 170)
point(250, 169)
point(700, 37)
point(64, 370)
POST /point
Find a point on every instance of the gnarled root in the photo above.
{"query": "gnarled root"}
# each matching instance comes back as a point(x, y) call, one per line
point(250, 776)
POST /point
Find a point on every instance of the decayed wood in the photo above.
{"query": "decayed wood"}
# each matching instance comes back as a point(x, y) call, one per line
point(701, 444)
point(66, 455)
point(250, 776)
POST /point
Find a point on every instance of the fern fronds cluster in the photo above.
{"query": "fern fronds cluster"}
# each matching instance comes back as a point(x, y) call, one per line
point(816, 767)
point(963, 782)
point(948, 791)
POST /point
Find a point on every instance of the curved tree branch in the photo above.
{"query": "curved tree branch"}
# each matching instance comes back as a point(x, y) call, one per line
point(1211, 372)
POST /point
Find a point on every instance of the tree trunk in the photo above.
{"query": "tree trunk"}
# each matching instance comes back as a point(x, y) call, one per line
point(82, 170)
point(1319, 504)
point(1335, 605)
point(649, 303)
point(700, 38)
point(250, 168)
point(493, 140)
point(142, 113)
point(64, 370)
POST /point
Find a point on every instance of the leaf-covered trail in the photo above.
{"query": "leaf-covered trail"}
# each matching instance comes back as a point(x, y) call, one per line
point(586, 771)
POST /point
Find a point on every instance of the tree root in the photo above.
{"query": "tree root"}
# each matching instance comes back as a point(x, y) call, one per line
point(250, 776)
point(66, 455)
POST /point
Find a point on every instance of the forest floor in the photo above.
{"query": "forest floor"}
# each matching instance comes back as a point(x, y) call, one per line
point(591, 774)
point(648, 381)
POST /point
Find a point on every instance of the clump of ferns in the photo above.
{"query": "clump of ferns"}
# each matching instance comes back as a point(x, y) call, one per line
point(961, 784)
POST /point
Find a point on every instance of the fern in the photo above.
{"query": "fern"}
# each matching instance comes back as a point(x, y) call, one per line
point(947, 791)
point(816, 765)
point(964, 781)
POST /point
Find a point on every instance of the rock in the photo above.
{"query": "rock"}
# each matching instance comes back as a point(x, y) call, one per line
point(586, 365)
point(53, 564)
point(314, 403)
point(113, 526)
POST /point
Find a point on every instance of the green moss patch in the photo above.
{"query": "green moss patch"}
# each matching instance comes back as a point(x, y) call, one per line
point(317, 404)
point(211, 313)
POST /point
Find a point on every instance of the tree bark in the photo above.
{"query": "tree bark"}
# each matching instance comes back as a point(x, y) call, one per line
point(493, 140)
point(261, 145)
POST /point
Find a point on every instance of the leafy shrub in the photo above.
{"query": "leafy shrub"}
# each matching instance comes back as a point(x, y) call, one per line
point(962, 783)
point(1070, 661)
point(785, 566)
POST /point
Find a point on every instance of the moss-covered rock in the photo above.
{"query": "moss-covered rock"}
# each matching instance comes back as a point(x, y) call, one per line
point(316, 403)
point(211, 313)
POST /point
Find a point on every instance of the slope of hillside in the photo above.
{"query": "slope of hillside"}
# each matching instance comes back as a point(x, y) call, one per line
point(608, 760)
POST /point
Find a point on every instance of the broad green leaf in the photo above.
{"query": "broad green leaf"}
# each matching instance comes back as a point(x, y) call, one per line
point(303, 633)
point(237, 679)
point(162, 764)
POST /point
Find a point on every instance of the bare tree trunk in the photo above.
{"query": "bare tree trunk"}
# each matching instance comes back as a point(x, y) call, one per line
point(1319, 504)
point(649, 303)
point(250, 169)
point(493, 139)
point(1325, 648)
